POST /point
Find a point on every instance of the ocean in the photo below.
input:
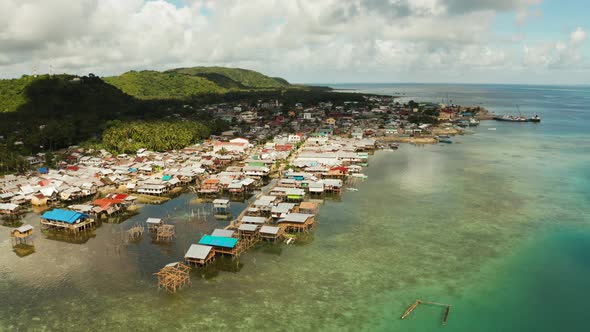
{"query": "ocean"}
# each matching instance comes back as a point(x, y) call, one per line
point(497, 225)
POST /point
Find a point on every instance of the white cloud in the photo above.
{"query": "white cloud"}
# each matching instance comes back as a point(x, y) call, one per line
point(302, 40)
point(578, 36)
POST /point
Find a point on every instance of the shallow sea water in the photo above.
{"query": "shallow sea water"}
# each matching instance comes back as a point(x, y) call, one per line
point(497, 225)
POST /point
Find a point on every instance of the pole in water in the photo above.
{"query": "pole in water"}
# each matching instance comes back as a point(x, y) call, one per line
point(446, 315)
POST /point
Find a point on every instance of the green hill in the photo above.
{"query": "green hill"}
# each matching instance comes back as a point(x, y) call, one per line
point(184, 83)
point(158, 85)
point(13, 92)
point(248, 78)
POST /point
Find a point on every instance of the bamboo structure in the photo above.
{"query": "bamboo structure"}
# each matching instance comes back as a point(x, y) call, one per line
point(173, 277)
point(165, 233)
point(135, 232)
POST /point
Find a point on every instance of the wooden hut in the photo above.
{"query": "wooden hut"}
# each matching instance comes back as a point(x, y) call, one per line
point(309, 207)
point(247, 230)
point(22, 234)
point(9, 209)
point(270, 232)
point(333, 185)
point(199, 255)
point(297, 222)
point(221, 206)
point(153, 224)
point(223, 245)
point(210, 186)
point(67, 220)
point(173, 276)
point(254, 220)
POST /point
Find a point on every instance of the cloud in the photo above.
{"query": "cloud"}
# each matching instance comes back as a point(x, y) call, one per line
point(578, 36)
point(558, 54)
point(302, 40)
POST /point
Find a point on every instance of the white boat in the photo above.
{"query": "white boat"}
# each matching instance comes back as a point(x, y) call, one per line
point(352, 189)
point(359, 175)
point(491, 128)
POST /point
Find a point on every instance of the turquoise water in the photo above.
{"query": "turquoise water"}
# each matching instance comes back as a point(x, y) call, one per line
point(497, 225)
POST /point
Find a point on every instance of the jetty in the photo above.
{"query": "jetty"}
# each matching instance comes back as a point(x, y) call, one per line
point(418, 302)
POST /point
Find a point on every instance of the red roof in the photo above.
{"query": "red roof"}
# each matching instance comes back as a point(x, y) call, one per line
point(339, 168)
point(283, 147)
point(73, 168)
point(45, 182)
point(120, 197)
point(105, 202)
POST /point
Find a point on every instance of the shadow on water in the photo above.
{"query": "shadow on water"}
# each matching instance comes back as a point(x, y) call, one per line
point(23, 250)
point(80, 238)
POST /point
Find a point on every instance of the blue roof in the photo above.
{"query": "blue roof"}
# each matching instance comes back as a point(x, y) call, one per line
point(42, 170)
point(218, 241)
point(66, 216)
point(166, 178)
point(132, 169)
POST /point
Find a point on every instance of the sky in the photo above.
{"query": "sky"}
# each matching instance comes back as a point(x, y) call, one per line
point(304, 41)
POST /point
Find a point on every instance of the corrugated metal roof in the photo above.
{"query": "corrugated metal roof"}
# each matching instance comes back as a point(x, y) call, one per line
point(198, 251)
point(296, 217)
point(253, 220)
point(24, 228)
point(248, 227)
point(69, 217)
point(222, 233)
point(154, 221)
point(218, 241)
point(269, 230)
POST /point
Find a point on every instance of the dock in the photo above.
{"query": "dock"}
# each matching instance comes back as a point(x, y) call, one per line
point(418, 302)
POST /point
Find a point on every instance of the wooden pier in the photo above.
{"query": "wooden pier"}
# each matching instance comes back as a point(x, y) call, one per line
point(418, 302)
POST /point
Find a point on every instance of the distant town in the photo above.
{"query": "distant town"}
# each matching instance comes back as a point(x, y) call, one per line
point(262, 142)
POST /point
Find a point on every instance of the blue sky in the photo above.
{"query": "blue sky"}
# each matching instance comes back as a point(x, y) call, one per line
point(468, 41)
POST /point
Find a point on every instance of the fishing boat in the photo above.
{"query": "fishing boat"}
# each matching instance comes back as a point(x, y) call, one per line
point(394, 146)
point(446, 141)
point(473, 122)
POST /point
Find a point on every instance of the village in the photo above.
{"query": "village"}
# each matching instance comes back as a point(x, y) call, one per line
point(289, 161)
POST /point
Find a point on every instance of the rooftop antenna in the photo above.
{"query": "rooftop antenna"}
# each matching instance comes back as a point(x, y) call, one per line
point(50, 69)
point(35, 71)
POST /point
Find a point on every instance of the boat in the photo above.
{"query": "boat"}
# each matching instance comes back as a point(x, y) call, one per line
point(394, 146)
point(473, 122)
point(535, 119)
point(512, 118)
point(352, 189)
point(359, 175)
point(491, 128)
point(443, 136)
point(446, 141)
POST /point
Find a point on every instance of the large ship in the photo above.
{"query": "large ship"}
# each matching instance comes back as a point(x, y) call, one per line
point(519, 118)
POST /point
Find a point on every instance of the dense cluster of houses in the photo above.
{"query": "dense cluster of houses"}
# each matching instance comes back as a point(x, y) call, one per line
point(262, 135)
